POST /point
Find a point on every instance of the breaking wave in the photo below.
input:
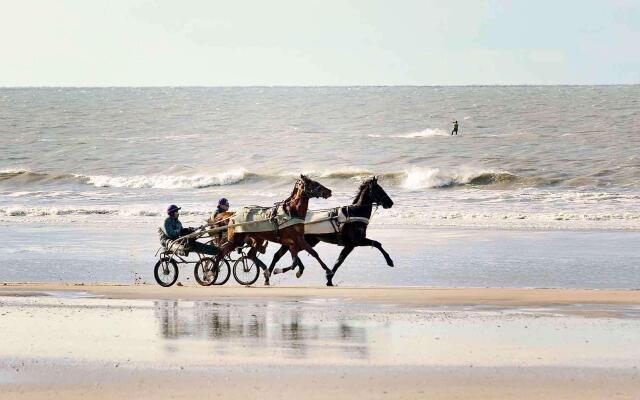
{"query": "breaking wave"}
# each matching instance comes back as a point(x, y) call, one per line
point(22, 174)
point(412, 179)
point(195, 181)
point(167, 181)
point(424, 178)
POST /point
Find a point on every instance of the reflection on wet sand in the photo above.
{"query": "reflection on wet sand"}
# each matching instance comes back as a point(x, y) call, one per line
point(294, 331)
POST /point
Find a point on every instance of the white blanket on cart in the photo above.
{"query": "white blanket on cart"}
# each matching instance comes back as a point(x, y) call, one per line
point(319, 222)
point(261, 219)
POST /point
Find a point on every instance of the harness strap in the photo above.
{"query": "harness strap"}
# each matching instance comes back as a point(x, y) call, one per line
point(357, 219)
point(274, 220)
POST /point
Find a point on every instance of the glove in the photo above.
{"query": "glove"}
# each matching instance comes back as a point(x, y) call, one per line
point(185, 231)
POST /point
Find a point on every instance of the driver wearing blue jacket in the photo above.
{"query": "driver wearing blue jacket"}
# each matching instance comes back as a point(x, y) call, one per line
point(173, 229)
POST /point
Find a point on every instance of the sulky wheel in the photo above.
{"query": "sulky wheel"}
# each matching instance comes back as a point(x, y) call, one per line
point(224, 273)
point(245, 271)
point(166, 272)
point(205, 271)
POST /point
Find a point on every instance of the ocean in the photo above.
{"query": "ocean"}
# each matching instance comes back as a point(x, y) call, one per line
point(527, 159)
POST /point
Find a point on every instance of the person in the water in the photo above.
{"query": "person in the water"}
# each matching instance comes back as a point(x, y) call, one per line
point(455, 128)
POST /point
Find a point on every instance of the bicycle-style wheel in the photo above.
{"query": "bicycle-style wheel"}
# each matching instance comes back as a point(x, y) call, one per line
point(166, 272)
point(224, 273)
point(205, 271)
point(245, 271)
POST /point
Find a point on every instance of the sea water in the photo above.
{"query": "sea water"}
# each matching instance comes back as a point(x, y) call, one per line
point(552, 158)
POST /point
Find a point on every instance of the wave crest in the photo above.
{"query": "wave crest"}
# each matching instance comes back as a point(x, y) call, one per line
point(413, 178)
point(425, 178)
point(167, 181)
point(21, 173)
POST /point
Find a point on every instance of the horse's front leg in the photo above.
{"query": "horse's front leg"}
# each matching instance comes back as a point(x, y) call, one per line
point(343, 256)
point(312, 242)
point(377, 245)
point(303, 245)
point(276, 257)
point(295, 258)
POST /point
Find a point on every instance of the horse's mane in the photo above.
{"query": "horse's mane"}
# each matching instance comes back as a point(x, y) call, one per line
point(362, 186)
point(293, 192)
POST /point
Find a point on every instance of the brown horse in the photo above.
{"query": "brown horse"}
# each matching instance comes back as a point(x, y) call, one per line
point(292, 236)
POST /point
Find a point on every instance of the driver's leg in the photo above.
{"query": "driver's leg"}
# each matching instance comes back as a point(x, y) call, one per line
point(203, 248)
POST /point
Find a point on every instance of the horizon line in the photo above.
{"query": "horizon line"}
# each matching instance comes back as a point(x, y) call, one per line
point(307, 86)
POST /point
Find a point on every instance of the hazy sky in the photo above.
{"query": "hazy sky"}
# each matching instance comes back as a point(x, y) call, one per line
point(327, 42)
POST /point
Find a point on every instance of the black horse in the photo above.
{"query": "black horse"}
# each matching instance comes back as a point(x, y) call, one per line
point(350, 228)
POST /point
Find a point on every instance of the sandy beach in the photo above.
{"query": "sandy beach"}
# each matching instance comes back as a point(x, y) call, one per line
point(78, 341)
point(398, 296)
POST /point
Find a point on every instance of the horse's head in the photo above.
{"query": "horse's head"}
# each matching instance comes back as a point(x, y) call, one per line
point(310, 188)
point(375, 192)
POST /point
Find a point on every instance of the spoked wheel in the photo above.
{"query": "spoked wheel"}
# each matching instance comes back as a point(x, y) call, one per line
point(205, 271)
point(245, 271)
point(224, 273)
point(166, 272)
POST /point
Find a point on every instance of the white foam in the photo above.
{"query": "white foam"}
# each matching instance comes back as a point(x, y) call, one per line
point(397, 216)
point(23, 193)
point(14, 171)
point(418, 178)
point(469, 218)
point(168, 181)
point(426, 133)
point(125, 211)
point(186, 136)
point(355, 173)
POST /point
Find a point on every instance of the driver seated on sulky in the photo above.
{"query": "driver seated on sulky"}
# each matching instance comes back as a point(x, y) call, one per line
point(223, 206)
point(174, 230)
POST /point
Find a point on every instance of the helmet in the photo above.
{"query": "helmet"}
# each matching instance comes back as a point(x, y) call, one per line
point(223, 202)
point(172, 208)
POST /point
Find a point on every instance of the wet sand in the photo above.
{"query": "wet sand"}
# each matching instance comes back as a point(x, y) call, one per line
point(338, 383)
point(147, 342)
point(396, 295)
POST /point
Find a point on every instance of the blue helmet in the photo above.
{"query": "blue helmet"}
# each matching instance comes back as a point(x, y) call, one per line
point(223, 202)
point(172, 208)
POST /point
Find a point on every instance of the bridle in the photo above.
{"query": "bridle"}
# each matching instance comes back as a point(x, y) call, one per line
point(369, 190)
point(309, 192)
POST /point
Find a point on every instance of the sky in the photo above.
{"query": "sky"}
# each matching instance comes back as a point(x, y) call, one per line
point(310, 43)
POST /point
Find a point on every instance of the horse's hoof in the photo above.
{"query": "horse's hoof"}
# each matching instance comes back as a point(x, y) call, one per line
point(390, 263)
point(266, 283)
point(298, 274)
point(277, 271)
point(329, 283)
